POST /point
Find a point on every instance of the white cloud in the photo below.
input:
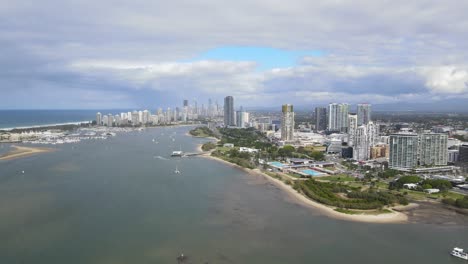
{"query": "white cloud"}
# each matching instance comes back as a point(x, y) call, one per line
point(447, 79)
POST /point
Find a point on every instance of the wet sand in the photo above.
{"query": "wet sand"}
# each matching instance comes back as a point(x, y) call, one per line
point(21, 152)
point(394, 217)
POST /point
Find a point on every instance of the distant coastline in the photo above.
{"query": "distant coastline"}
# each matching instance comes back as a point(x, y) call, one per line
point(45, 125)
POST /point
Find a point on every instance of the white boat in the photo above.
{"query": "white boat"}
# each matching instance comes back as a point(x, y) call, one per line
point(177, 153)
point(177, 171)
point(459, 253)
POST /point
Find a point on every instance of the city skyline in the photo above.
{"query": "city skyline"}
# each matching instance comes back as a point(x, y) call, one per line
point(129, 56)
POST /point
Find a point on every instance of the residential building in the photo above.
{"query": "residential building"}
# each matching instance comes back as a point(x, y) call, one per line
point(99, 118)
point(320, 118)
point(287, 123)
point(352, 119)
point(403, 151)
point(229, 114)
point(338, 117)
point(433, 149)
point(363, 114)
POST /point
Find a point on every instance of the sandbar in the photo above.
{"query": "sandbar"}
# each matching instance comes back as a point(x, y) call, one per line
point(22, 151)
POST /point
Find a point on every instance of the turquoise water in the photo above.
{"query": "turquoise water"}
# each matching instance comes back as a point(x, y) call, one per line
point(118, 201)
point(276, 163)
point(312, 172)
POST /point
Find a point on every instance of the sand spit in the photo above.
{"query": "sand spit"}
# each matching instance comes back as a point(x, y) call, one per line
point(21, 152)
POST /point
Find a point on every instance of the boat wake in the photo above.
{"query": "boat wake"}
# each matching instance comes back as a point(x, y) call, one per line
point(160, 157)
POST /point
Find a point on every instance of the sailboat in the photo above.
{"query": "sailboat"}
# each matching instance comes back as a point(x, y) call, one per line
point(177, 171)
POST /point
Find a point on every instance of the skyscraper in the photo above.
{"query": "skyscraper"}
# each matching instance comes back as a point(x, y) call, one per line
point(185, 103)
point(433, 149)
point(363, 114)
point(242, 118)
point(229, 114)
point(338, 117)
point(352, 119)
point(110, 120)
point(463, 153)
point(99, 118)
point(403, 151)
point(365, 138)
point(320, 118)
point(287, 123)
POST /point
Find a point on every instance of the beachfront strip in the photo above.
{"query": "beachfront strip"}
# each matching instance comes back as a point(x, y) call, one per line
point(347, 187)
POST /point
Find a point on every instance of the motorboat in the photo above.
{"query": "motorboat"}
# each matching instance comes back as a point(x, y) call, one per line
point(459, 253)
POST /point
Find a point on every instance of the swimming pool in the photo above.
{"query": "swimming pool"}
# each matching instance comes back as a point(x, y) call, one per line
point(312, 172)
point(276, 164)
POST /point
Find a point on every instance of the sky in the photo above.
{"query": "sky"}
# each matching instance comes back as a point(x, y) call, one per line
point(147, 54)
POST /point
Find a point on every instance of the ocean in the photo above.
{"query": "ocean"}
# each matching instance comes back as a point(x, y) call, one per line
point(27, 118)
point(119, 201)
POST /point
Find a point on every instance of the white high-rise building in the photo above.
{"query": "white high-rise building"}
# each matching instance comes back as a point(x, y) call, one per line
point(145, 117)
point(403, 151)
point(135, 121)
point(140, 117)
point(363, 114)
point(110, 120)
point(242, 118)
point(287, 123)
point(365, 138)
point(352, 129)
point(433, 149)
point(338, 117)
point(117, 120)
point(99, 118)
point(412, 150)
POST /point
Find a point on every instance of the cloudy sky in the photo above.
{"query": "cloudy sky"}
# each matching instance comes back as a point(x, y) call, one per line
point(135, 54)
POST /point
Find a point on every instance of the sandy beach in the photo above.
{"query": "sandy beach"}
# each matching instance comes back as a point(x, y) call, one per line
point(394, 217)
point(21, 152)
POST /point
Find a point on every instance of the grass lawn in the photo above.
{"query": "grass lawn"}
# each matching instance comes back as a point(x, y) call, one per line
point(337, 178)
point(223, 149)
point(415, 195)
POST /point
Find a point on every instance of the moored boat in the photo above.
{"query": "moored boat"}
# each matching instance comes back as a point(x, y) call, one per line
point(459, 253)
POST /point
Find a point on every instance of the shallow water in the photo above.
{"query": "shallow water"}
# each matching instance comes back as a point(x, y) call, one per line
point(118, 201)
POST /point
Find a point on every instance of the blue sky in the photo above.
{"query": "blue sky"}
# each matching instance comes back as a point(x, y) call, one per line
point(149, 54)
point(267, 58)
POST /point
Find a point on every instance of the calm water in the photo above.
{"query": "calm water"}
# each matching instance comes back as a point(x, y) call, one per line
point(118, 201)
point(24, 118)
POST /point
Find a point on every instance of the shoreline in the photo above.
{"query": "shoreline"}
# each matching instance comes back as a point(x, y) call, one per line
point(9, 129)
point(387, 218)
point(22, 152)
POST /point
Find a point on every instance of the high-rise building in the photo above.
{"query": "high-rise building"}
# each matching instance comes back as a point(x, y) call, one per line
point(365, 137)
point(352, 119)
point(287, 123)
point(463, 153)
point(363, 114)
point(338, 117)
point(242, 118)
point(320, 118)
point(403, 151)
point(412, 150)
point(185, 103)
point(99, 118)
point(433, 149)
point(110, 120)
point(229, 114)
point(135, 116)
